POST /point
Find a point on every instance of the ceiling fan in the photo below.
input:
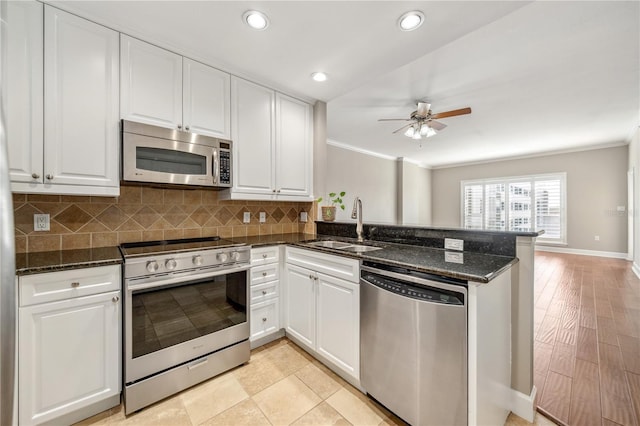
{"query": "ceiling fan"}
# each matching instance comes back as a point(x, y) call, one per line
point(423, 121)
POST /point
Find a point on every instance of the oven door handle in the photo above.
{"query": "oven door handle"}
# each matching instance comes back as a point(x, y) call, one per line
point(151, 282)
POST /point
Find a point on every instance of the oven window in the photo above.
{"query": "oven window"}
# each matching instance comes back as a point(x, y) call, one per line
point(170, 161)
point(168, 316)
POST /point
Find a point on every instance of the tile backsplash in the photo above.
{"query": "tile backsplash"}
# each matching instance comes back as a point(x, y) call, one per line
point(146, 214)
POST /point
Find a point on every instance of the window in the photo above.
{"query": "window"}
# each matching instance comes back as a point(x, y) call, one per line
point(524, 204)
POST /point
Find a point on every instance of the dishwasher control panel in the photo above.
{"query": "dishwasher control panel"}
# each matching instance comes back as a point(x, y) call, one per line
point(419, 292)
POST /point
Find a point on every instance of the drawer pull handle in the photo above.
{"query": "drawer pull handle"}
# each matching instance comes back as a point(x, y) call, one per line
point(264, 292)
point(264, 320)
point(310, 276)
point(75, 284)
point(264, 256)
point(264, 274)
point(115, 299)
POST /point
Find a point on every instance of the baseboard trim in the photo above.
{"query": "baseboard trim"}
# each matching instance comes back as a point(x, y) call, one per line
point(524, 405)
point(636, 269)
point(610, 254)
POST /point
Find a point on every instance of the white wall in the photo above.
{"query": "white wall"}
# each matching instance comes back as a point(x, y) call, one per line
point(596, 185)
point(634, 164)
point(414, 194)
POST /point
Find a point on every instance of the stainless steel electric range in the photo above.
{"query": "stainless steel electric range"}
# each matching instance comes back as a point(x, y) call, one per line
point(186, 315)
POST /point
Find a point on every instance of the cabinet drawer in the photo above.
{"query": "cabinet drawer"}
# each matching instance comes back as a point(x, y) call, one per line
point(336, 266)
point(265, 273)
point(265, 318)
point(264, 255)
point(262, 292)
point(53, 286)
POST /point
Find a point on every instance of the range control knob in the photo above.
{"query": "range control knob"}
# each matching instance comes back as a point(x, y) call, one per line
point(152, 266)
point(170, 264)
point(235, 256)
point(222, 257)
point(197, 260)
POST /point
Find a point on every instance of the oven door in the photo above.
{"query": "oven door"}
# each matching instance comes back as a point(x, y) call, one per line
point(175, 319)
point(156, 160)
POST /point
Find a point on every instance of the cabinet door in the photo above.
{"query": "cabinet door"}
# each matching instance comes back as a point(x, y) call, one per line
point(206, 100)
point(23, 88)
point(300, 304)
point(264, 319)
point(339, 323)
point(81, 101)
point(69, 355)
point(293, 146)
point(252, 121)
point(151, 90)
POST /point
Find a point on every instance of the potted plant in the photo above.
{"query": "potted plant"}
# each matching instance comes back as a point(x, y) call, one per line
point(329, 211)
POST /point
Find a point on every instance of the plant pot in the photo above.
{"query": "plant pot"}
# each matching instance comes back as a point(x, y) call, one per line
point(328, 213)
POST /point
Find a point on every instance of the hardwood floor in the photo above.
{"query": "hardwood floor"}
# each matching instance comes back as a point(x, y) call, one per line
point(587, 339)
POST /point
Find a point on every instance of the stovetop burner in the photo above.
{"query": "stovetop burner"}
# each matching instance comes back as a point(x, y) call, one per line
point(174, 246)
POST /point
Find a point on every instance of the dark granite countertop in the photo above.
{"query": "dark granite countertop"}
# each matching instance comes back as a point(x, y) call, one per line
point(469, 266)
point(272, 240)
point(48, 261)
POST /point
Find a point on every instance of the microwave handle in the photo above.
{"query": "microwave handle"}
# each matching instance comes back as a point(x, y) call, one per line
point(216, 167)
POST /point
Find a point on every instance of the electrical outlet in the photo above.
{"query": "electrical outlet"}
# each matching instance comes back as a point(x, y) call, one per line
point(263, 217)
point(303, 217)
point(453, 244)
point(246, 217)
point(597, 238)
point(453, 257)
point(41, 222)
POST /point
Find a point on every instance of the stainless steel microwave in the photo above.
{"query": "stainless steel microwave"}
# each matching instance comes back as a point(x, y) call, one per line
point(157, 155)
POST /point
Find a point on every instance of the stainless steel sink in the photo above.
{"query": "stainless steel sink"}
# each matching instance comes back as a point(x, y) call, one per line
point(360, 249)
point(339, 245)
point(329, 244)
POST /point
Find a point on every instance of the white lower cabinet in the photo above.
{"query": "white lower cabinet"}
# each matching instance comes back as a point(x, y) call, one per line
point(322, 307)
point(264, 295)
point(69, 346)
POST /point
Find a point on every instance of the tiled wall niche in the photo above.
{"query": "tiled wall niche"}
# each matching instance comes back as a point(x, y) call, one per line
point(146, 214)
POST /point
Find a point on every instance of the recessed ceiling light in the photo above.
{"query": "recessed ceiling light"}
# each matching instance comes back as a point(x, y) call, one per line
point(256, 20)
point(411, 20)
point(319, 76)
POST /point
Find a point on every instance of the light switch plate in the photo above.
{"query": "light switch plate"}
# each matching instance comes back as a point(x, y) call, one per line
point(263, 217)
point(303, 217)
point(246, 217)
point(41, 222)
point(453, 244)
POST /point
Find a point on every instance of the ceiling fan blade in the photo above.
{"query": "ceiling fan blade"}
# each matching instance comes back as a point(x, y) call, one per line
point(437, 125)
point(452, 113)
point(402, 128)
point(423, 109)
point(394, 119)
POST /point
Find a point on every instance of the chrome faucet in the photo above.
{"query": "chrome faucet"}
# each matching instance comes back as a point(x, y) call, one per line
point(356, 213)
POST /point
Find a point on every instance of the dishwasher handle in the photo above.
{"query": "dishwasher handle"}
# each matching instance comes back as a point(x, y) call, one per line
point(426, 291)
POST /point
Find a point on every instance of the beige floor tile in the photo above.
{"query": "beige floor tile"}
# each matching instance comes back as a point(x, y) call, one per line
point(170, 412)
point(286, 400)
point(212, 397)
point(319, 382)
point(353, 409)
point(539, 420)
point(287, 359)
point(322, 414)
point(245, 413)
point(258, 374)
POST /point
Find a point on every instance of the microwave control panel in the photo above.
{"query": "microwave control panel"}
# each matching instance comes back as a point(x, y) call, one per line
point(225, 167)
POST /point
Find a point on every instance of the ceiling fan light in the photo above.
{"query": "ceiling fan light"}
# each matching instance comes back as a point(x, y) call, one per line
point(411, 20)
point(410, 132)
point(416, 135)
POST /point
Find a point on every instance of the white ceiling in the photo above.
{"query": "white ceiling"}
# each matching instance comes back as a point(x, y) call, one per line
point(539, 77)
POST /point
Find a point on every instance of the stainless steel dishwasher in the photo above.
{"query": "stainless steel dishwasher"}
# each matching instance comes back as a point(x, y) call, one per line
point(413, 337)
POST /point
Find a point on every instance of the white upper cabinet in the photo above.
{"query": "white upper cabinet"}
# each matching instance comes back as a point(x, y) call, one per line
point(253, 136)
point(293, 146)
point(81, 101)
point(272, 144)
point(151, 90)
point(63, 128)
point(23, 88)
point(164, 89)
point(206, 100)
